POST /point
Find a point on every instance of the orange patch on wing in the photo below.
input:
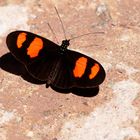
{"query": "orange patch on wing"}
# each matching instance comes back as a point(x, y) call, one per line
point(80, 67)
point(94, 70)
point(21, 39)
point(34, 48)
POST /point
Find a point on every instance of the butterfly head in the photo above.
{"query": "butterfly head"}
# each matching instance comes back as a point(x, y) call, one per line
point(64, 45)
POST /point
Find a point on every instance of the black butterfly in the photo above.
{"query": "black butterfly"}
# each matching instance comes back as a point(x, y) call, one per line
point(56, 65)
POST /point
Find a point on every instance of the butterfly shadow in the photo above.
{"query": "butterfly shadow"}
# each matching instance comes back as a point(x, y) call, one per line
point(85, 92)
point(11, 65)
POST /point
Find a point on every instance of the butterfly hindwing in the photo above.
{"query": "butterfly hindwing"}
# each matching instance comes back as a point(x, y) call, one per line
point(64, 79)
point(27, 47)
point(45, 68)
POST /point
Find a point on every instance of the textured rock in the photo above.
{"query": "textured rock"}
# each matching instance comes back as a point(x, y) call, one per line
point(32, 111)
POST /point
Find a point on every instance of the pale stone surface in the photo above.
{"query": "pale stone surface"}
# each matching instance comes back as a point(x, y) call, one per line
point(29, 111)
point(14, 16)
point(111, 121)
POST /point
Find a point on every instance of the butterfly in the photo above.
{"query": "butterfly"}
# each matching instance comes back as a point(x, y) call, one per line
point(55, 64)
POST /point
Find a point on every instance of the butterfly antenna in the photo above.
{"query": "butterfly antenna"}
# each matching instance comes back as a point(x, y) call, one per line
point(61, 22)
point(86, 34)
point(53, 33)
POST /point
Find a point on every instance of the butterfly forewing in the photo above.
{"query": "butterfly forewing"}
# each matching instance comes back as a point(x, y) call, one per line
point(79, 71)
point(27, 47)
point(86, 71)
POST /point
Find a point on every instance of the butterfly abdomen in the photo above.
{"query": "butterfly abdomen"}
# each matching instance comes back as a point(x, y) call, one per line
point(54, 70)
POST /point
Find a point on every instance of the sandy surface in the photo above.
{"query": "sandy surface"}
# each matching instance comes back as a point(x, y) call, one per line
point(33, 112)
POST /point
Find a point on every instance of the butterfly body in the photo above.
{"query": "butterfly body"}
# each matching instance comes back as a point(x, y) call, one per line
point(56, 65)
point(64, 45)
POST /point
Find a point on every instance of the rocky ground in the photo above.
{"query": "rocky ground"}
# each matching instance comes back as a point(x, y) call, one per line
point(33, 112)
